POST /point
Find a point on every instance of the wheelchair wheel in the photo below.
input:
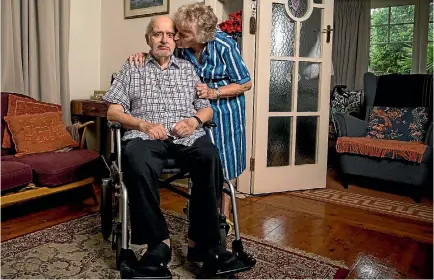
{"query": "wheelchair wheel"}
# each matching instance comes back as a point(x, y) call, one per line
point(106, 209)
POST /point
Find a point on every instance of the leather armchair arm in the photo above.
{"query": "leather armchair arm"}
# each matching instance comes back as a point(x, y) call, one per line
point(429, 136)
point(347, 125)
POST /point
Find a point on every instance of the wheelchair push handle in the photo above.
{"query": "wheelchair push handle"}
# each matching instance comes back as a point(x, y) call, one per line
point(114, 125)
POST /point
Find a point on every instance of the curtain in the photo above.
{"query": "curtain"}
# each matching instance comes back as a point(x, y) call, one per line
point(351, 42)
point(35, 50)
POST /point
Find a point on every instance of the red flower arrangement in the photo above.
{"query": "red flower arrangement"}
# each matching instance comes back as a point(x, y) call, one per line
point(233, 26)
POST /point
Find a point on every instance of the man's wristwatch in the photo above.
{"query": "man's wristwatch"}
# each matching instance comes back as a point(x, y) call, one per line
point(217, 93)
point(199, 121)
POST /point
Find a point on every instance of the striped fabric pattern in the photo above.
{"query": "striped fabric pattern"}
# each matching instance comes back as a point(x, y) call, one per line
point(222, 65)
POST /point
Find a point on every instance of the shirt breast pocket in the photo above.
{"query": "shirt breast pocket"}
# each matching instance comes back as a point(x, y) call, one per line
point(183, 97)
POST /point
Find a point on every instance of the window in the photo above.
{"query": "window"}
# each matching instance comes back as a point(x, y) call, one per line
point(429, 50)
point(401, 37)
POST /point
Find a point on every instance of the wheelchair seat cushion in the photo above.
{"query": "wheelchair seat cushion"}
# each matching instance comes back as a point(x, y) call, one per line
point(171, 166)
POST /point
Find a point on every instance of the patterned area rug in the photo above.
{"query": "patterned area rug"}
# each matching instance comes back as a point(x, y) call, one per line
point(75, 249)
point(370, 203)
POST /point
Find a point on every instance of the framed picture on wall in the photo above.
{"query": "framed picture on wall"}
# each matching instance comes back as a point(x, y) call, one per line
point(145, 8)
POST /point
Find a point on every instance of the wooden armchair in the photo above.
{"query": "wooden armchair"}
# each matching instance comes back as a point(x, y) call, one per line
point(32, 176)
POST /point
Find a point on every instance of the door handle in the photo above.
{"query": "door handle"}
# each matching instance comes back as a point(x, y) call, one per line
point(328, 30)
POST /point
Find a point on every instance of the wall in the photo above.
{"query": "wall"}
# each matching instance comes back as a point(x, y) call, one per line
point(122, 37)
point(84, 47)
point(85, 54)
point(231, 7)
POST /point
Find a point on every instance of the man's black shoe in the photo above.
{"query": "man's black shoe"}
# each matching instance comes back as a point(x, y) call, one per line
point(217, 261)
point(154, 262)
point(196, 254)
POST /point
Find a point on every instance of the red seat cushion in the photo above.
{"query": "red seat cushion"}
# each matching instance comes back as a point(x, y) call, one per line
point(14, 174)
point(54, 169)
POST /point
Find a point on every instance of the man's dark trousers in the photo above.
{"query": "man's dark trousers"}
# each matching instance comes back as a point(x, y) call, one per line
point(144, 160)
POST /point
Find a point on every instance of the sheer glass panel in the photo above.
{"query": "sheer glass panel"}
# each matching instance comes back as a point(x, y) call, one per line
point(310, 35)
point(279, 132)
point(281, 76)
point(282, 32)
point(306, 140)
point(298, 8)
point(308, 87)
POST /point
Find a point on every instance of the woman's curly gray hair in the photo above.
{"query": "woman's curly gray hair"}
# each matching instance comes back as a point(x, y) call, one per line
point(201, 15)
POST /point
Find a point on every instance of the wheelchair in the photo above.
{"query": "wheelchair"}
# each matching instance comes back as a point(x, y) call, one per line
point(114, 211)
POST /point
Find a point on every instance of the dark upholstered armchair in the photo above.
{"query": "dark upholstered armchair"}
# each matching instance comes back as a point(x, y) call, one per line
point(395, 170)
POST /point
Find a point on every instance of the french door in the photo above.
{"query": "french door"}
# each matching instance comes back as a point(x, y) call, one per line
point(291, 95)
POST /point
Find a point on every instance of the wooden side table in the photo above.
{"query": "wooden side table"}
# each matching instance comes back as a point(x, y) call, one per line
point(83, 110)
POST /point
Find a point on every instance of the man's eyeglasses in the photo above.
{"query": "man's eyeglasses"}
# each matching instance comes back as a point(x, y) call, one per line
point(169, 35)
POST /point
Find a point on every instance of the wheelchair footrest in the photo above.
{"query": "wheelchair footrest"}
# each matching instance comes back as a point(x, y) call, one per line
point(234, 267)
point(238, 250)
point(129, 269)
point(242, 262)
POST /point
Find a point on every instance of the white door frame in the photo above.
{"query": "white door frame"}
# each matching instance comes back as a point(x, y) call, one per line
point(248, 53)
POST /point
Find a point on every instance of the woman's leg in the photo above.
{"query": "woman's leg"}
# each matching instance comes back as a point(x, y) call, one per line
point(227, 200)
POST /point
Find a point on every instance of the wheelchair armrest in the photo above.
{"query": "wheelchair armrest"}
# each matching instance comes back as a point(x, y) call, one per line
point(114, 125)
point(209, 124)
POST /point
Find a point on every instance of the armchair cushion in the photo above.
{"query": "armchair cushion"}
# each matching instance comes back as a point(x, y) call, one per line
point(38, 133)
point(55, 169)
point(381, 148)
point(14, 174)
point(18, 105)
point(402, 124)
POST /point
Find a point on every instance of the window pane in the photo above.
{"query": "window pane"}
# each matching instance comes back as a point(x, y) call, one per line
point(306, 139)
point(430, 30)
point(281, 78)
point(429, 58)
point(378, 34)
point(279, 136)
point(282, 32)
point(379, 16)
point(401, 33)
point(310, 39)
point(298, 8)
point(402, 14)
point(308, 87)
point(430, 12)
point(390, 58)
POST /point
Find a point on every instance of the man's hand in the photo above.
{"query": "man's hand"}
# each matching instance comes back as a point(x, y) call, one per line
point(204, 92)
point(185, 127)
point(155, 131)
point(138, 59)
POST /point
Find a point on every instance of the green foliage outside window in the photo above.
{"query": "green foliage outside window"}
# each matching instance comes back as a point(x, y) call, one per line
point(392, 40)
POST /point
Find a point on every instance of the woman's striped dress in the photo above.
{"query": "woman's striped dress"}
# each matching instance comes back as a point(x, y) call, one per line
point(222, 65)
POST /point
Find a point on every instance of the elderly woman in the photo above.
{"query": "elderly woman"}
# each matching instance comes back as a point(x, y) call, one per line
point(218, 62)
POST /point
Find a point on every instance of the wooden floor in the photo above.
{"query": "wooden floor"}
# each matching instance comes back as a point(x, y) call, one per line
point(372, 246)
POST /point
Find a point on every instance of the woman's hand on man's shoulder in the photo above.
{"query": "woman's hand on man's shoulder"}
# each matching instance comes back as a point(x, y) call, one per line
point(137, 59)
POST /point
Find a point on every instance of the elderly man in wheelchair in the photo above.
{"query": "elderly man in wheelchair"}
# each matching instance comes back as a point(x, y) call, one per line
point(164, 119)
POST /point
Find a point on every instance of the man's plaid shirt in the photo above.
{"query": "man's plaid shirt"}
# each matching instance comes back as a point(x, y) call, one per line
point(158, 96)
